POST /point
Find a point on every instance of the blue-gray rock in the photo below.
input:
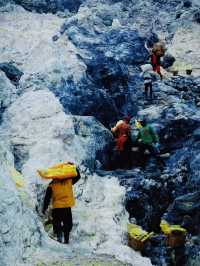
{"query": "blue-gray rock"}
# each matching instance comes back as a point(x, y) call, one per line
point(167, 61)
point(196, 16)
point(11, 71)
point(187, 3)
point(46, 6)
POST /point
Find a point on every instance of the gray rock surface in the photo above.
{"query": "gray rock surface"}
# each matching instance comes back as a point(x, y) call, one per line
point(21, 231)
point(90, 61)
point(41, 134)
point(8, 92)
point(37, 126)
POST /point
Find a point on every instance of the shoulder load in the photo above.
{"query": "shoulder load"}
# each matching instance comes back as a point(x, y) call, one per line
point(59, 171)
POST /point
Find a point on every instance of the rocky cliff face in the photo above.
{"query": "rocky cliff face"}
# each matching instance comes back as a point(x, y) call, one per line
point(68, 71)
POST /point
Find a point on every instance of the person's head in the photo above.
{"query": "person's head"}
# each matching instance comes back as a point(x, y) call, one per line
point(127, 119)
point(159, 49)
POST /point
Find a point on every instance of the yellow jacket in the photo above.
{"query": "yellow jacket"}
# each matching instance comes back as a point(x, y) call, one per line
point(62, 194)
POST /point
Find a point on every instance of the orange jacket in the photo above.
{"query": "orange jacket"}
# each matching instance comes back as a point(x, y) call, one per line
point(122, 132)
point(121, 129)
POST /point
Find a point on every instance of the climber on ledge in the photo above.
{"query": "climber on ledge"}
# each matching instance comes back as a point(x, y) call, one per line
point(148, 76)
point(156, 53)
point(122, 134)
point(61, 192)
point(148, 140)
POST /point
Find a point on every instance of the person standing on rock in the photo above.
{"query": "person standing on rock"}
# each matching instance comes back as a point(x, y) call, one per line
point(122, 134)
point(61, 192)
point(148, 76)
point(156, 53)
point(148, 140)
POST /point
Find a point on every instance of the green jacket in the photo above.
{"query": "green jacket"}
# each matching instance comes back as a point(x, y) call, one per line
point(147, 135)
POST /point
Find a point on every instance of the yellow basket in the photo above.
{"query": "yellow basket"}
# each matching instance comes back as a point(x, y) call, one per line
point(137, 237)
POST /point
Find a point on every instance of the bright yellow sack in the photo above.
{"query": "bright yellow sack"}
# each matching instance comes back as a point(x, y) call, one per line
point(168, 229)
point(138, 124)
point(136, 232)
point(59, 171)
point(17, 177)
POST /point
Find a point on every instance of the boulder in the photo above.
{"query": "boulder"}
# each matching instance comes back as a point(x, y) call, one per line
point(42, 134)
point(8, 93)
point(46, 6)
point(11, 71)
point(167, 61)
point(21, 232)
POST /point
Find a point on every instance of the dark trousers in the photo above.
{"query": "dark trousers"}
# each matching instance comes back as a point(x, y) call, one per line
point(143, 147)
point(148, 90)
point(124, 158)
point(62, 222)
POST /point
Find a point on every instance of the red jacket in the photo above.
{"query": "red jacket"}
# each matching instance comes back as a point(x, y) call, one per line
point(155, 62)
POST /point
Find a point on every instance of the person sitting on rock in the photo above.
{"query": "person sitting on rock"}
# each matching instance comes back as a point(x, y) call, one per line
point(61, 192)
point(148, 75)
point(148, 140)
point(122, 134)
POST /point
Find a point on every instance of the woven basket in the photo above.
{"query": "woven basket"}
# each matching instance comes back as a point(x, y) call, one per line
point(176, 239)
point(136, 244)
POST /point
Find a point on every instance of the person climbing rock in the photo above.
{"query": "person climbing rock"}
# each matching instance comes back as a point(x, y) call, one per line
point(148, 76)
point(61, 192)
point(122, 134)
point(148, 140)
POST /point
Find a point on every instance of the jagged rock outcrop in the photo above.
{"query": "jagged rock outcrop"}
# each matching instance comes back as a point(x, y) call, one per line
point(41, 134)
point(47, 6)
point(12, 72)
point(91, 60)
point(21, 231)
point(8, 93)
point(52, 64)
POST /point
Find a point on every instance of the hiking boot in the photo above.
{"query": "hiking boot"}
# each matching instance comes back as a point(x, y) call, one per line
point(59, 238)
point(66, 237)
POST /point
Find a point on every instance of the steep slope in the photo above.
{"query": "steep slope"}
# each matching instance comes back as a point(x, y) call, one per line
point(81, 65)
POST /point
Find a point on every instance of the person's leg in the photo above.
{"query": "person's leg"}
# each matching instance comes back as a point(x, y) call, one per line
point(120, 159)
point(128, 154)
point(180, 257)
point(151, 91)
point(154, 152)
point(67, 223)
point(143, 158)
point(146, 91)
point(57, 224)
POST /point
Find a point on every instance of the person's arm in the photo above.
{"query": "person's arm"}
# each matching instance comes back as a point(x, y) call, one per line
point(154, 135)
point(47, 199)
point(76, 179)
